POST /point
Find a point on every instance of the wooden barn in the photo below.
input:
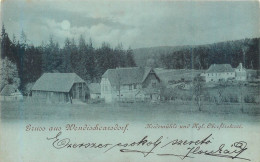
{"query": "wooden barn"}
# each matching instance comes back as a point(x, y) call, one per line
point(59, 87)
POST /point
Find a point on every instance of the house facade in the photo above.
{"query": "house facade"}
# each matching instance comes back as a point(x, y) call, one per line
point(219, 72)
point(59, 87)
point(95, 91)
point(127, 84)
point(223, 72)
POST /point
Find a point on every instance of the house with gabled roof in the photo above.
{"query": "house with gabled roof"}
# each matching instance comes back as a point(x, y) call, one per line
point(59, 87)
point(219, 72)
point(10, 93)
point(124, 84)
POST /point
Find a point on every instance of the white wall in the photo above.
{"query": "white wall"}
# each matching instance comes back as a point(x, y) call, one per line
point(215, 77)
point(240, 74)
point(111, 93)
point(106, 90)
point(95, 96)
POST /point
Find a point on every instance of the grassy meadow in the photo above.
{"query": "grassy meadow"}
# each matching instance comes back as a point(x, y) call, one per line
point(174, 111)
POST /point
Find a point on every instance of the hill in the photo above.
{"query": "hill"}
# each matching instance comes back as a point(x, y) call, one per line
point(201, 56)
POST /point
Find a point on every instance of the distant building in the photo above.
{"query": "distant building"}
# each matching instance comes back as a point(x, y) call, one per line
point(95, 90)
point(129, 84)
point(240, 73)
point(59, 87)
point(223, 72)
point(219, 72)
point(11, 93)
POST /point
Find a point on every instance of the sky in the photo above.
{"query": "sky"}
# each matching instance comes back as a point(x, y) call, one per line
point(135, 24)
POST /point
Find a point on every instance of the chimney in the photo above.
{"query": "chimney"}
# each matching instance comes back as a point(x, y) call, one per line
point(240, 65)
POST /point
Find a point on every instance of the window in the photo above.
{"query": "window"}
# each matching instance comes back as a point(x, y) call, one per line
point(135, 86)
point(208, 74)
point(130, 87)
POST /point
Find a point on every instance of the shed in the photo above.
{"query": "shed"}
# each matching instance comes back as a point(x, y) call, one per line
point(59, 87)
point(11, 93)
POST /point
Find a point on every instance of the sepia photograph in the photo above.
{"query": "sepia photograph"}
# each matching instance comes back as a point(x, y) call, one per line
point(121, 80)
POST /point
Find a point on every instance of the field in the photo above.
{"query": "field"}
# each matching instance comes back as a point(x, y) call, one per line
point(177, 111)
point(17, 116)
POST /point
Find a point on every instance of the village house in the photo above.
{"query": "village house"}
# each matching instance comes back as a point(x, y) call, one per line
point(129, 84)
point(59, 87)
point(223, 72)
point(95, 91)
point(240, 73)
point(11, 93)
point(219, 72)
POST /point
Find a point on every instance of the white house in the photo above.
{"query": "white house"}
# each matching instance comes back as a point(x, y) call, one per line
point(95, 90)
point(126, 84)
point(219, 72)
point(240, 73)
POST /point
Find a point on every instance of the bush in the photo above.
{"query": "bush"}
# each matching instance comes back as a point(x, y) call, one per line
point(249, 99)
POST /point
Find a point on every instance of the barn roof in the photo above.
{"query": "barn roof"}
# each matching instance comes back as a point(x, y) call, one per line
point(129, 75)
point(57, 82)
point(9, 89)
point(220, 68)
point(94, 88)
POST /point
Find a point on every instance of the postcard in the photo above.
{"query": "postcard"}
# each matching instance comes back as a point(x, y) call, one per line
point(129, 81)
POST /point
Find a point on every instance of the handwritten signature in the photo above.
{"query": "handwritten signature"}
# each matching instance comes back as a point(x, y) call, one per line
point(147, 147)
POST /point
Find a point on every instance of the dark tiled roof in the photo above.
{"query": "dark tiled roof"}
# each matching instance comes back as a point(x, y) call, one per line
point(94, 88)
point(57, 82)
point(220, 68)
point(126, 75)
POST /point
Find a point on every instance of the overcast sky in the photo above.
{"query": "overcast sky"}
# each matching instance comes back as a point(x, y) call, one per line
point(136, 23)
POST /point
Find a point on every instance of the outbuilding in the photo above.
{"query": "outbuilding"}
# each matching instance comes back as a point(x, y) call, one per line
point(59, 87)
point(11, 93)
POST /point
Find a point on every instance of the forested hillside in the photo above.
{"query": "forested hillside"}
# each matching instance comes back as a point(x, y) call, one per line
point(245, 51)
point(25, 63)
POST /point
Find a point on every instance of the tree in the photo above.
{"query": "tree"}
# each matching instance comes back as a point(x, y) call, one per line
point(130, 62)
point(32, 66)
point(9, 73)
point(198, 91)
point(51, 59)
point(69, 57)
point(6, 50)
